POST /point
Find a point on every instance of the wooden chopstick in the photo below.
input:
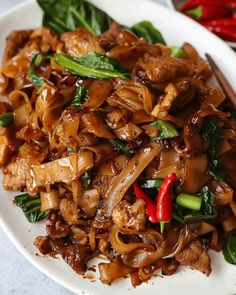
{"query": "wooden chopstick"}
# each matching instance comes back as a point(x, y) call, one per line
point(230, 93)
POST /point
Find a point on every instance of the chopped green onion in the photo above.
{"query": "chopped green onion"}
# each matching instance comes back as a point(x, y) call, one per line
point(189, 201)
point(177, 52)
point(121, 147)
point(37, 59)
point(229, 250)
point(167, 130)
point(6, 119)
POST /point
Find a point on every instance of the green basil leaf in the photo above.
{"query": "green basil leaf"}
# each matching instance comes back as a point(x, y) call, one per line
point(93, 65)
point(80, 97)
point(87, 179)
point(35, 79)
point(217, 170)
point(121, 147)
point(212, 134)
point(229, 250)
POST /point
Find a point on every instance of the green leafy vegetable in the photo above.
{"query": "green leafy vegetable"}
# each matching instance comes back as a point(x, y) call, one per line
point(31, 207)
point(35, 78)
point(212, 134)
point(208, 210)
point(146, 30)
point(80, 97)
point(177, 52)
point(229, 250)
point(6, 119)
point(121, 147)
point(189, 201)
point(66, 15)
point(217, 170)
point(167, 130)
point(93, 65)
point(87, 178)
point(151, 183)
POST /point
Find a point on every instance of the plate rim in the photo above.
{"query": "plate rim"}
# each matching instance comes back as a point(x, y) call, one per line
point(3, 222)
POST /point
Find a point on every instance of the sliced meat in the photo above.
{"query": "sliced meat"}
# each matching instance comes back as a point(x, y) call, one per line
point(75, 255)
point(17, 175)
point(196, 257)
point(8, 145)
point(176, 97)
point(46, 39)
point(56, 227)
point(81, 42)
point(130, 216)
point(116, 35)
point(15, 41)
point(69, 211)
point(162, 69)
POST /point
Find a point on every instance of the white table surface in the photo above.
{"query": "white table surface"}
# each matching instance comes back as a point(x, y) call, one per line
point(18, 276)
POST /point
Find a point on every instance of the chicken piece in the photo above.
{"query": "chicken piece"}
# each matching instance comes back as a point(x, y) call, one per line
point(8, 145)
point(162, 69)
point(56, 227)
point(196, 257)
point(15, 41)
point(117, 118)
point(79, 235)
point(93, 124)
point(17, 174)
point(130, 216)
point(116, 35)
point(43, 244)
point(69, 211)
point(75, 255)
point(176, 97)
point(46, 39)
point(80, 42)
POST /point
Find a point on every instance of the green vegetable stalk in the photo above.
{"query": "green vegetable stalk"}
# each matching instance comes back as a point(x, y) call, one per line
point(31, 207)
point(189, 201)
point(177, 52)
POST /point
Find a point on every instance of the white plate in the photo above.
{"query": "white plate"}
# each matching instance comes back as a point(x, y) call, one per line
point(177, 4)
point(176, 29)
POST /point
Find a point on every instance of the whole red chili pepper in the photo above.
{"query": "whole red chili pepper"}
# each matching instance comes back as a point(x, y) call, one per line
point(226, 33)
point(164, 200)
point(150, 205)
point(194, 3)
point(222, 22)
point(208, 12)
